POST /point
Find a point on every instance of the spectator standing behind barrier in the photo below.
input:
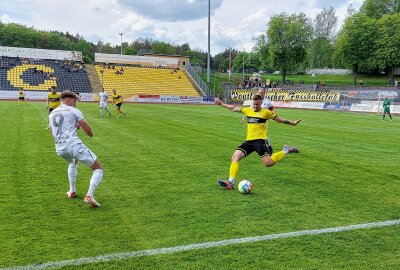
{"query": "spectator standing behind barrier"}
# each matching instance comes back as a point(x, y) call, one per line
point(386, 108)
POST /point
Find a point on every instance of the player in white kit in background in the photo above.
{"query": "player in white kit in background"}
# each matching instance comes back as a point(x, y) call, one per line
point(64, 121)
point(103, 96)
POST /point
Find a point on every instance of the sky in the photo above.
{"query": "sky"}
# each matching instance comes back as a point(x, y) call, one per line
point(234, 23)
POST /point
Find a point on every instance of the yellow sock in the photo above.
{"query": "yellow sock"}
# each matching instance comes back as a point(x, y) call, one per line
point(276, 157)
point(234, 170)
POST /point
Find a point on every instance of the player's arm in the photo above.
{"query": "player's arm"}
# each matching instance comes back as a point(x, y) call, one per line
point(86, 128)
point(122, 99)
point(48, 102)
point(243, 119)
point(229, 107)
point(288, 122)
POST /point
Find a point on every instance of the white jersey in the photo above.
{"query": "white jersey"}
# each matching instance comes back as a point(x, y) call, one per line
point(266, 104)
point(103, 96)
point(63, 123)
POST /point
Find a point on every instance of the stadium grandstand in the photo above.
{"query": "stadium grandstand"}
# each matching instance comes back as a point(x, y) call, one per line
point(33, 72)
point(147, 74)
point(36, 71)
point(130, 81)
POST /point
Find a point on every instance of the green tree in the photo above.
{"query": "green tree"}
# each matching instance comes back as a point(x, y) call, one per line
point(261, 48)
point(320, 53)
point(378, 8)
point(288, 37)
point(241, 61)
point(86, 49)
point(355, 45)
point(388, 44)
point(160, 47)
point(325, 24)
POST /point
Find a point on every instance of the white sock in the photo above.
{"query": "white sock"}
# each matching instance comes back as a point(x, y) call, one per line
point(101, 112)
point(72, 173)
point(95, 181)
point(232, 180)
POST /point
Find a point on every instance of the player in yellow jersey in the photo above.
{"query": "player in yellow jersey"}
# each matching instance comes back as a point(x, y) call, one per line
point(53, 99)
point(21, 96)
point(118, 100)
point(257, 119)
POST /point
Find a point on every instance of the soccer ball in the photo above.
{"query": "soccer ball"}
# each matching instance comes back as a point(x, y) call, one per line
point(245, 186)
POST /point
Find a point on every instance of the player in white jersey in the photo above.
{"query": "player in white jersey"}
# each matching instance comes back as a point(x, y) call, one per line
point(103, 96)
point(65, 120)
point(266, 104)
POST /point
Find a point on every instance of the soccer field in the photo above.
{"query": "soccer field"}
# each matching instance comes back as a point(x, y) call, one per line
point(159, 191)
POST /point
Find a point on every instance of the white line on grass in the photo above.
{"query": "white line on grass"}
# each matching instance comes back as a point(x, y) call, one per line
point(149, 252)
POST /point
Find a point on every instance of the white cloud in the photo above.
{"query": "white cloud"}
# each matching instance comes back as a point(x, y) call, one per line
point(234, 23)
point(5, 19)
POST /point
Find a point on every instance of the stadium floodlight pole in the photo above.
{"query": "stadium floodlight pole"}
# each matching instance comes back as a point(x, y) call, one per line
point(230, 63)
point(121, 41)
point(208, 54)
point(120, 62)
point(244, 50)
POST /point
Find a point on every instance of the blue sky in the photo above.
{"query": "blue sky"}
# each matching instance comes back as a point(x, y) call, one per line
point(234, 23)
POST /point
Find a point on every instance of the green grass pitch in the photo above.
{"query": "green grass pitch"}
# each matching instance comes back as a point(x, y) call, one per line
point(159, 190)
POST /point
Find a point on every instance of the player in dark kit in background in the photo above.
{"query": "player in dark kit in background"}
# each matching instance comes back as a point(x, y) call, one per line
point(386, 108)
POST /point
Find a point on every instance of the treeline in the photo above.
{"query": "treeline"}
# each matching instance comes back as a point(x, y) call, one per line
point(16, 35)
point(369, 42)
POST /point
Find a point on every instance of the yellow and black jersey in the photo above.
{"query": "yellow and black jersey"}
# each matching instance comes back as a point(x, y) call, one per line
point(257, 123)
point(21, 94)
point(117, 98)
point(54, 100)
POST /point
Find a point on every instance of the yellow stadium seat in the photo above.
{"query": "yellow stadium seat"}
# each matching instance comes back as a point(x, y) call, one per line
point(150, 81)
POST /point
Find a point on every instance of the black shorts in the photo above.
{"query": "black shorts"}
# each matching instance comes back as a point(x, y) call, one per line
point(21, 98)
point(118, 105)
point(262, 148)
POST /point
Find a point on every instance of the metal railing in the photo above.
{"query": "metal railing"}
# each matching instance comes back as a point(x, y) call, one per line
point(199, 82)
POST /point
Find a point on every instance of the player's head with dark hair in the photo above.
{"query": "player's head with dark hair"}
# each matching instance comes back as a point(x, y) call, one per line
point(68, 94)
point(257, 97)
point(257, 100)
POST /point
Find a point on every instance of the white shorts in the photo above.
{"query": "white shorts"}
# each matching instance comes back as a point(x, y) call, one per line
point(78, 152)
point(103, 104)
